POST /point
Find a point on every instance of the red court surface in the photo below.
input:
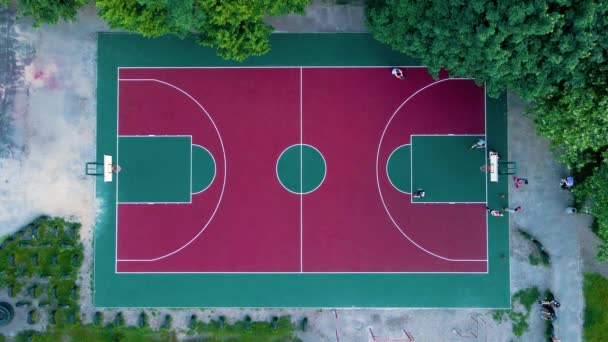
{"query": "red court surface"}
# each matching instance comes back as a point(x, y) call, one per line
point(247, 222)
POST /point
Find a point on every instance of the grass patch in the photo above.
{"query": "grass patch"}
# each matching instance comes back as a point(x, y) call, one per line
point(540, 255)
point(595, 289)
point(519, 314)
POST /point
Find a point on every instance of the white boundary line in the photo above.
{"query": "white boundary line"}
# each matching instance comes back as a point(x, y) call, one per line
point(225, 172)
point(214, 170)
point(288, 67)
point(485, 128)
point(163, 136)
point(445, 135)
point(387, 175)
point(324, 173)
point(449, 134)
point(301, 176)
point(298, 272)
point(378, 174)
point(223, 183)
point(116, 197)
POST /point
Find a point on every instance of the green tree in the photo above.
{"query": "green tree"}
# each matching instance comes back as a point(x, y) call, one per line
point(234, 27)
point(576, 119)
point(529, 47)
point(595, 189)
point(48, 11)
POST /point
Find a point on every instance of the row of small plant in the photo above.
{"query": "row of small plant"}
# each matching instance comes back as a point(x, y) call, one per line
point(277, 329)
point(39, 266)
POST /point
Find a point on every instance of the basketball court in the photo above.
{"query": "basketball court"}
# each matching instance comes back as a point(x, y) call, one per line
point(291, 180)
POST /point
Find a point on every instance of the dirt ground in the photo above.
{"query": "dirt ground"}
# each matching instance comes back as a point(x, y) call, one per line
point(47, 133)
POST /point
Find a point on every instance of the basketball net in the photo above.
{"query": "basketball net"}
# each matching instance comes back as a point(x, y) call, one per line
point(116, 168)
point(485, 168)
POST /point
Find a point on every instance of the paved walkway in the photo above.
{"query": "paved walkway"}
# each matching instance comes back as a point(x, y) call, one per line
point(544, 215)
point(323, 16)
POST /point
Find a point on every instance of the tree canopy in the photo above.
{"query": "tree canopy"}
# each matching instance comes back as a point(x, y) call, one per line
point(234, 27)
point(48, 11)
point(529, 47)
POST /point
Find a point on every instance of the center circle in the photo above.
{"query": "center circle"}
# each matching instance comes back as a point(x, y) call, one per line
point(301, 169)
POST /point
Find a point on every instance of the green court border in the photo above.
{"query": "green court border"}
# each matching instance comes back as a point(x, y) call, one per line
point(480, 290)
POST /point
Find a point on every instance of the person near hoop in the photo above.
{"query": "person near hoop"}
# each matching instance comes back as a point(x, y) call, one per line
point(419, 193)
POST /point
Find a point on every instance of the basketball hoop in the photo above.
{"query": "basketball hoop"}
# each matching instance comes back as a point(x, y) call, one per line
point(485, 168)
point(116, 168)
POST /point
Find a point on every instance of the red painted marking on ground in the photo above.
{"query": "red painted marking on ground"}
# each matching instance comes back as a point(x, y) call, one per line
point(345, 226)
point(453, 231)
point(257, 226)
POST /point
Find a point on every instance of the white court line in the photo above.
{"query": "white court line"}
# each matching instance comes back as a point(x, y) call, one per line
point(485, 127)
point(389, 178)
point(225, 169)
point(117, 162)
point(288, 67)
point(162, 136)
point(412, 166)
point(301, 179)
point(356, 273)
point(447, 135)
point(214, 169)
point(378, 174)
point(324, 173)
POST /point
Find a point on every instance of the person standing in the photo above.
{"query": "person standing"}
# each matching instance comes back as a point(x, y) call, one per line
point(567, 183)
point(419, 193)
point(398, 73)
point(519, 182)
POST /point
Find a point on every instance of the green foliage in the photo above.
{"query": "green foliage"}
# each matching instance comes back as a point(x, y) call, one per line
point(539, 255)
point(519, 314)
point(49, 11)
point(247, 331)
point(533, 259)
point(94, 333)
point(595, 289)
point(234, 27)
point(595, 189)
point(530, 47)
point(576, 118)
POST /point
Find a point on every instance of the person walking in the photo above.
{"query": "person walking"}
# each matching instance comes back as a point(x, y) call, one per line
point(519, 182)
point(511, 210)
point(479, 144)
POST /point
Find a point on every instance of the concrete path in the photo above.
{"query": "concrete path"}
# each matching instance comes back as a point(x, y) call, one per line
point(544, 216)
point(324, 16)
